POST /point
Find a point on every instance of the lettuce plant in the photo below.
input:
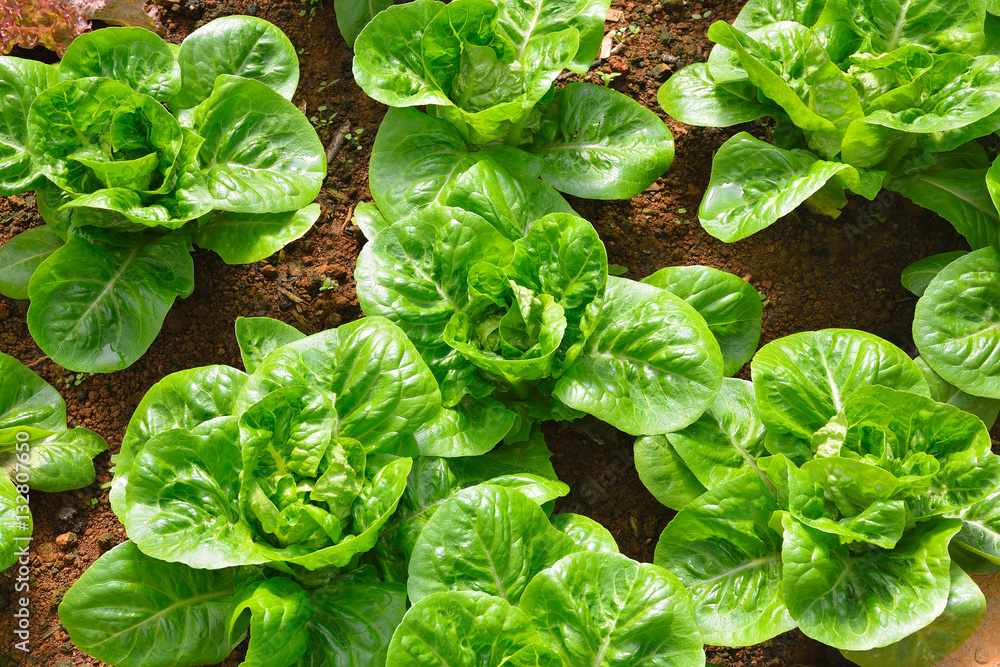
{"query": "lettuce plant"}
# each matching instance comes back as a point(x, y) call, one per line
point(527, 591)
point(138, 152)
point(286, 501)
point(485, 71)
point(508, 299)
point(37, 451)
point(865, 96)
point(832, 494)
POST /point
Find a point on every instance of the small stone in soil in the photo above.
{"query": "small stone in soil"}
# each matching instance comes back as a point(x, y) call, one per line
point(66, 540)
point(252, 9)
point(591, 491)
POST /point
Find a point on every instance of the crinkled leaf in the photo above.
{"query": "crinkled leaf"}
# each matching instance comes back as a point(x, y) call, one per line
point(872, 598)
point(60, 462)
point(731, 307)
point(182, 400)
point(136, 57)
point(245, 46)
point(722, 548)
point(245, 173)
point(651, 365)
point(585, 532)
point(917, 276)
point(986, 409)
point(955, 325)
point(487, 539)
point(596, 143)
point(21, 81)
point(526, 20)
point(930, 645)
point(459, 628)
point(606, 609)
point(278, 610)
point(802, 381)
point(935, 25)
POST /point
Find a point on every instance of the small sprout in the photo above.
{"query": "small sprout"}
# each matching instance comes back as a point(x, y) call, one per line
point(608, 78)
point(329, 284)
point(682, 211)
point(707, 13)
point(696, 16)
point(617, 269)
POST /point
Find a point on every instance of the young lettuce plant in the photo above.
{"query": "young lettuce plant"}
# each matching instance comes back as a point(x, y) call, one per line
point(256, 500)
point(37, 451)
point(138, 152)
point(833, 495)
point(485, 72)
point(494, 582)
point(864, 96)
point(509, 301)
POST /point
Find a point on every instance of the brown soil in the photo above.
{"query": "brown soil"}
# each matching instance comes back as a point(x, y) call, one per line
point(814, 273)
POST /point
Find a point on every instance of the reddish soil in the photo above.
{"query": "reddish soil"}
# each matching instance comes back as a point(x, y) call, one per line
point(814, 273)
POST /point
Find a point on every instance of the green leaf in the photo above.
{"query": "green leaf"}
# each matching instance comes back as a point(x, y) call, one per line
point(754, 183)
point(353, 16)
point(726, 441)
point(721, 547)
point(134, 56)
point(664, 473)
point(960, 196)
point(586, 533)
point(355, 616)
point(471, 428)
point(97, 309)
point(182, 400)
point(802, 381)
point(731, 307)
point(790, 65)
point(459, 628)
point(935, 25)
point(987, 409)
point(487, 539)
point(525, 22)
point(278, 610)
point(28, 400)
point(60, 462)
point(531, 454)
point(651, 365)
point(21, 81)
point(182, 498)
point(244, 238)
point(414, 273)
point(956, 320)
point(930, 645)
point(865, 599)
point(562, 255)
point(15, 523)
point(234, 120)
point(606, 609)
point(596, 143)
point(21, 256)
point(132, 610)
point(244, 46)
point(369, 219)
point(415, 160)
point(381, 389)
point(980, 534)
point(759, 13)
point(508, 203)
point(260, 336)
point(694, 98)
point(388, 64)
point(917, 276)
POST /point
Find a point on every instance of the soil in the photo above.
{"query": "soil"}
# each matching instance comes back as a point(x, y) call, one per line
point(813, 272)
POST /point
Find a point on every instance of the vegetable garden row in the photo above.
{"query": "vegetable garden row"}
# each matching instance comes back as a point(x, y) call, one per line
point(381, 493)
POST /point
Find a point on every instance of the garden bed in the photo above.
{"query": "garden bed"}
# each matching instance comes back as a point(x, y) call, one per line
point(813, 273)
